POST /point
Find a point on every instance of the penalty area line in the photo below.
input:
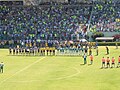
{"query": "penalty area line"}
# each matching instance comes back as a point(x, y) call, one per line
point(21, 70)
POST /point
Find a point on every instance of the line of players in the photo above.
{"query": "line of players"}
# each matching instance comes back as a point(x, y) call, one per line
point(46, 51)
point(71, 51)
point(107, 63)
point(32, 51)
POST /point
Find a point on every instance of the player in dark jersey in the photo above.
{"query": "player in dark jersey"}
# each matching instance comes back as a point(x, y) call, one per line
point(107, 49)
point(44, 52)
point(50, 52)
point(41, 52)
point(26, 51)
point(97, 51)
point(1, 67)
point(53, 51)
point(47, 51)
point(22, 51)
point(30, 51)
point(10, 50)
point(33, 51)
point(86, 50)
point(16, 51)
point(13, 51)
point(38, 51)
point(19, 51)
point(90, 52)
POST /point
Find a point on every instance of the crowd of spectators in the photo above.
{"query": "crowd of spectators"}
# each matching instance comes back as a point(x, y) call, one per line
point(57, 21)
point(10, 3)
point(104, 17)
point(44, 23)
point(69, 2)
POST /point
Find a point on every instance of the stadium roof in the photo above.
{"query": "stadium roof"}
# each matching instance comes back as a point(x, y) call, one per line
point(11, 0)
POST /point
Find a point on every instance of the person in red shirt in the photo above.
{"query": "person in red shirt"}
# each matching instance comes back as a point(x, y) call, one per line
point(118, 61)
point(108, 62)
point(91, 59)
point(113, 62)
point(103, 62)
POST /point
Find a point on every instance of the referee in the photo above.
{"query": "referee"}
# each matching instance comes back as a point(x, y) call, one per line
point(1, 67)
point(107, 49)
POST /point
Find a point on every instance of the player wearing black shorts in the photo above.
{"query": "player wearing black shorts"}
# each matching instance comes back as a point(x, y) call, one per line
point(38, 50)
point(10, 50)
point(47, 51)
point(16, 51)
point(53, 51)
point(22, 50)
point(107, 49)
point(44, 52)
point(86, 50)
point(108, 62)
point(103, 62)
point(19, 50)
point(13, 51)
point(90, 52)
point(1, 67)
point(50, 52)
point(113, 62)
point(41, 52)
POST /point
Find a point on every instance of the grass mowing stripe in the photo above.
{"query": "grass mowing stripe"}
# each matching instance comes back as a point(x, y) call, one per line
point(21, 70)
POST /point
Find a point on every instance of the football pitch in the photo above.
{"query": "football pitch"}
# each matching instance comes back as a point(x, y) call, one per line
point(58, 72)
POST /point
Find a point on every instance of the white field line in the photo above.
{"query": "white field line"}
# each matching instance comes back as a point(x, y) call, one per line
point(69, 76)
point(20, 71)
point(60, 78)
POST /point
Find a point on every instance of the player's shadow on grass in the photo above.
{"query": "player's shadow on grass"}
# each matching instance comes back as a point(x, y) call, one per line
point(106, 54)
point(103, 68)
point(106, 67)
point(82, 64)
point(89, 64)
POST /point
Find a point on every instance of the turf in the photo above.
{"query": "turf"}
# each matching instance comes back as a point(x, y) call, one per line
point(58, 72)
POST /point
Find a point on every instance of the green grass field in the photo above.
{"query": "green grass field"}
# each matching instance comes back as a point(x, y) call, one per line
point(58, 72)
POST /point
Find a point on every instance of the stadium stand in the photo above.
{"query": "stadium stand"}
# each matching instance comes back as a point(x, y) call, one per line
point(57, 21)
point(104, 17)
point(51, 22)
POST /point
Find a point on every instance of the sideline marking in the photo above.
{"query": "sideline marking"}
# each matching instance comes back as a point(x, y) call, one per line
point(21, 70)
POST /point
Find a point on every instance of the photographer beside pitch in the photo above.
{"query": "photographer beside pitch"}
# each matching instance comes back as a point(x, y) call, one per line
point(1, 67)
